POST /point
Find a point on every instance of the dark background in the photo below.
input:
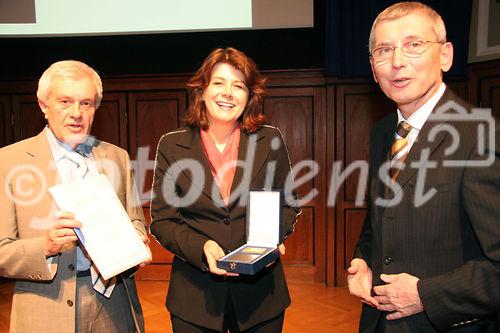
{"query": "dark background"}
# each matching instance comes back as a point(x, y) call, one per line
point(336, 44)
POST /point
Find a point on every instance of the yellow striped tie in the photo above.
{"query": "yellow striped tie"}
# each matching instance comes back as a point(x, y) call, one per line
point(399, 148)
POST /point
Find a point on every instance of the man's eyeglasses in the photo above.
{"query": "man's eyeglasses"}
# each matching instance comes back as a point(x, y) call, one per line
point(412, 49)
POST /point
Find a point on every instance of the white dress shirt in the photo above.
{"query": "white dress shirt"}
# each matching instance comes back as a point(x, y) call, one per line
point(419, 117)
point(64, 157)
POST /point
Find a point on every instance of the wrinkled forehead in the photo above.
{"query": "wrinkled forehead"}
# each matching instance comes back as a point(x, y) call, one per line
point(81, 86)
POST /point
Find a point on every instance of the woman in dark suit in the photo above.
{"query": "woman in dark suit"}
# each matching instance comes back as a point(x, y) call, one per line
point(203, 174)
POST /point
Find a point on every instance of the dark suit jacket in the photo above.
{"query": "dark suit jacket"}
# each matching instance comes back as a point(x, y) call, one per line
point(451, 242)
point(195, 294)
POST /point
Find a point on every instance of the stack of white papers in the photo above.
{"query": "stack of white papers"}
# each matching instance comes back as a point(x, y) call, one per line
point(107, 233)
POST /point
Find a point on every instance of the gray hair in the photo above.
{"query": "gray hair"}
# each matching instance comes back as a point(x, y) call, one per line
point(404, 8)
point(68, 69)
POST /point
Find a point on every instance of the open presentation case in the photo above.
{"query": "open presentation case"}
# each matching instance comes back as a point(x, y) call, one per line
point(264, 229)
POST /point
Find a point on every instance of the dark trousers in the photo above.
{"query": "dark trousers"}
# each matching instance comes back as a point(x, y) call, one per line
point(273, 325)
point(96, 313)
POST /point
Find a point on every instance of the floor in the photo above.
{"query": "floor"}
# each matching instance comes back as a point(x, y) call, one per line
point(315, 308)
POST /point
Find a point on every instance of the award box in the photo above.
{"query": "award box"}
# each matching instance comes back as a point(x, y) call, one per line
point(264, 230)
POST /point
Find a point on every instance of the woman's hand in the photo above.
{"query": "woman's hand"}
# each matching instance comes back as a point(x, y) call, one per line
point(213, 252)
point(282, 249)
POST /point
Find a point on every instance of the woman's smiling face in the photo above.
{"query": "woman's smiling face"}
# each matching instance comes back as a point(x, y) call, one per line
point(226, 95)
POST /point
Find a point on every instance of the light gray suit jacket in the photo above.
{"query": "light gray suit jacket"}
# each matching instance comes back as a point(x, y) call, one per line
point(43, 299)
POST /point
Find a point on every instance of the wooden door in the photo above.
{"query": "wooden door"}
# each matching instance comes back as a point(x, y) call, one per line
point(490, 95)
point(5, 121)
point(299, 113)
point(28, 118)
point(357, 108)
point(152, 114)
point(110, 120)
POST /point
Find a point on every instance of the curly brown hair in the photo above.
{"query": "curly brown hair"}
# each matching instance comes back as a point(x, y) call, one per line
point(252, 117)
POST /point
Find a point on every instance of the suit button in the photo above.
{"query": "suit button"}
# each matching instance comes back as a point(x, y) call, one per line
point(226, 221)
point(71, 267)
point(387, 260)
point(69, 302)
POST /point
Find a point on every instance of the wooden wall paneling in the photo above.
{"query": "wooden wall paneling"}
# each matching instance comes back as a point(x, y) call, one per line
point(5, 121)
point(161, 266)
point(485, 87)
point(295, 78)
point(29, 120)
point(300, 248)
point(358, 107)
point(353, 222)
point(110, 120)
point(481, 76)
point(299, 113)
point(152, 114)
point(144, 83)
point(331, 140)
point(490, 94)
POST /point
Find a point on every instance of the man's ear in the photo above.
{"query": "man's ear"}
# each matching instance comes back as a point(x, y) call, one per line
point(446, 56)
point(373, 70)
point(43, 107)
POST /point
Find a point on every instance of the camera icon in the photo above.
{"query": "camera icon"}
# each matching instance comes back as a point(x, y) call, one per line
point(484, 122)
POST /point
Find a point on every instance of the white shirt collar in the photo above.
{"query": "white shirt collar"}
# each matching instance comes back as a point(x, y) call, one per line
point(60, 149)
point(419, 117)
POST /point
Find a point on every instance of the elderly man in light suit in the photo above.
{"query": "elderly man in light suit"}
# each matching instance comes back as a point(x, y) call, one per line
point(38, 245)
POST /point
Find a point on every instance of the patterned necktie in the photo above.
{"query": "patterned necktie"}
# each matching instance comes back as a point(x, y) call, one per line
point(104, 287)
point(399, 148)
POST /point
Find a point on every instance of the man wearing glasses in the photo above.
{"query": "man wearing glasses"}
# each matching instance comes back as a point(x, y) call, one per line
point(428, 257)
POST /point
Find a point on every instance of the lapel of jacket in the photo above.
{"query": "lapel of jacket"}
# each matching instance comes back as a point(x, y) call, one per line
point(108, 167)
point(41, 162)
point(252, 154)
point(190, 148)
point(382, 145)
point(423, 146)
point(100, 157)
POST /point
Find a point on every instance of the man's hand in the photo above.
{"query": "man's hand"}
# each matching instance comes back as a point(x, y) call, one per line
point(359, 281)
point(399, 296)
point(213, 252)
point(282, 249)
point(61, 232)
point(145, 239)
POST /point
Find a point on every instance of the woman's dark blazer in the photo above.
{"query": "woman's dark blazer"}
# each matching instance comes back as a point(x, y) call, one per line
point(186, 211)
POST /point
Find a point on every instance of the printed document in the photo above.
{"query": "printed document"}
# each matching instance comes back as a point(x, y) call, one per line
point(107, 233)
